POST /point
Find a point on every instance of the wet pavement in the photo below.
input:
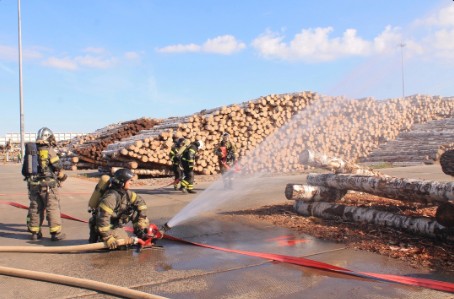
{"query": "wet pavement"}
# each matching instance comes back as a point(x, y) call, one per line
point(180, 270)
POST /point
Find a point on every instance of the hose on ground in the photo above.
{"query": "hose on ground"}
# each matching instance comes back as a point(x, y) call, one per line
point(67, 280)
point(77, 282)
point(63, 249)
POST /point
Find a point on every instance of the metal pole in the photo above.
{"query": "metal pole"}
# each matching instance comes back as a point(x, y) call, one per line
point(22, 134)
point(402, 45)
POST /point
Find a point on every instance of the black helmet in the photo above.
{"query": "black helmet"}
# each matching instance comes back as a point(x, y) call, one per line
point(121, 176)
point(180, 141)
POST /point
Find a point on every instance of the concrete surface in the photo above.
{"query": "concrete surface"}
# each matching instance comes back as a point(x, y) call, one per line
point(185, 271)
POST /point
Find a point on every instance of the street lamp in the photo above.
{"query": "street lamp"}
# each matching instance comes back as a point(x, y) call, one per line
point(22, 134)
point(402, 45)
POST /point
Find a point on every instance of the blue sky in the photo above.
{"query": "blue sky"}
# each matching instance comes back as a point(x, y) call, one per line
point(87, 64)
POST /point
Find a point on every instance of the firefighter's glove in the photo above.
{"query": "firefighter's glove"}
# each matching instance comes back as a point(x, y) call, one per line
point(62, 177)
point(111, 242)
point(141, 228)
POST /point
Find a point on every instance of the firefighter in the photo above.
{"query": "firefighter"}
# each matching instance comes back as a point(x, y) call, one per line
point(118, 206)
point(188, 161)
point(226, 153)
point(176, 151)
point(43, 172)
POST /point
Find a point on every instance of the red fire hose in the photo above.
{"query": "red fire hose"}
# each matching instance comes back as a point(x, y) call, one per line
point(406, 280)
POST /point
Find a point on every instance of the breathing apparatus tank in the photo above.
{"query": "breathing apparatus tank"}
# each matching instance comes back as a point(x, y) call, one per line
point(101, 187)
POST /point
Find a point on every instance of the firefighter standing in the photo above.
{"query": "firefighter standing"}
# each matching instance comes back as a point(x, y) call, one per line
point(43, 172)
point(188, 162)
point(175, 157)
point(226, 153)
point(118, 206)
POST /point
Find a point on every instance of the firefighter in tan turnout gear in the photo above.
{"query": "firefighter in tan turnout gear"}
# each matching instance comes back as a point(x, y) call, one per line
point(188, 162)
point(43, 172)
point(176, 151)
point(118, 206)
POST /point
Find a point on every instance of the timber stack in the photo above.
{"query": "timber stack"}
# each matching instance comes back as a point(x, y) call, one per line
point(89, 150)
point(323, 195)
point(425, 143)
point(271, 132)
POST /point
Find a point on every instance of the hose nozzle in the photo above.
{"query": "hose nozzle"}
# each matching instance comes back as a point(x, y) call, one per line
point(165, 227)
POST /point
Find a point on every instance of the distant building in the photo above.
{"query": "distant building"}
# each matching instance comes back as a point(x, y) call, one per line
point(30, 137)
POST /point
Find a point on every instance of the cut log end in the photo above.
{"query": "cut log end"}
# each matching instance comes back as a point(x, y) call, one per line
point(445, 215)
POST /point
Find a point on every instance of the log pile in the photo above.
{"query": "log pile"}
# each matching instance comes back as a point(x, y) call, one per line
point(424, 143)
point(248, 124)
point(87, 149)
point(321, 195)
point(272, 131)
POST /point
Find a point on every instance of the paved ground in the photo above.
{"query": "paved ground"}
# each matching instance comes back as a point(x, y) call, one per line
point(185, 271)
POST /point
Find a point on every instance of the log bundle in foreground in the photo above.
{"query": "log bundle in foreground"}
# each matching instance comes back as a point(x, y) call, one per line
point(419, 225)
point(409, 190)
point(335, 164)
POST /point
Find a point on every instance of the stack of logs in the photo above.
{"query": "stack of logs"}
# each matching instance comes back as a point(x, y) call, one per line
point(425, 143)
point(318, 197)
point(88, 148)
point(272, 131)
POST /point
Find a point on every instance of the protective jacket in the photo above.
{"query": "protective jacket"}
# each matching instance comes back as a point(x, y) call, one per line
point(226, 152)
point(188, 157)
point(43, 194)
point(49, 167)
point(116, 208)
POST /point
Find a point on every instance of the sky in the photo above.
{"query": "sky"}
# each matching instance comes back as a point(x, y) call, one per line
point(90, 63)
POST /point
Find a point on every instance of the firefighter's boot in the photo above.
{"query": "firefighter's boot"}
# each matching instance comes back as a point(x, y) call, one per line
point(36, 236)
point(57, 236)
point(191, 191)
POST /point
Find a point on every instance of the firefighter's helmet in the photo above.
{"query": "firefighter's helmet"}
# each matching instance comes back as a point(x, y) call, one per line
point(180, 141)
point(200, 144)
point(43, 134)
point(121, 176)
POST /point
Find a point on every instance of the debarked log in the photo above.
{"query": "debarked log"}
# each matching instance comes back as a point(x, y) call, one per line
point(337, 165)
point(419, 225)
point(313, 193)
point(408, 190)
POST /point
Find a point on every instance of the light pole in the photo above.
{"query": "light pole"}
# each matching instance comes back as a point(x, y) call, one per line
point(402, 45)
point(22, 134)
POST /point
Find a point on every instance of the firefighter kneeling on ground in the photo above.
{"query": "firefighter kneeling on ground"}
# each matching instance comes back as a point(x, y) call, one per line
point(117, 206)
point(43, 172)
point(226, 153)
point(188, 162)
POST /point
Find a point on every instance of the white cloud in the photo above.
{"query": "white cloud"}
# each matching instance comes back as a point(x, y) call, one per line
point(8, 53)
point(311, 45)
point(180, 48)
point(94, 50)
point(444, 17)
point(131, 55)
point(95, 62)
point(225, 44)
point(61, 63)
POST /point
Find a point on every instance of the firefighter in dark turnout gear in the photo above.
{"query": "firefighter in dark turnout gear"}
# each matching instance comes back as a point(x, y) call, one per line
point(176, 151)
point(117, 207)
point(43, 172)
point(227, 156)
point(188, 162)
